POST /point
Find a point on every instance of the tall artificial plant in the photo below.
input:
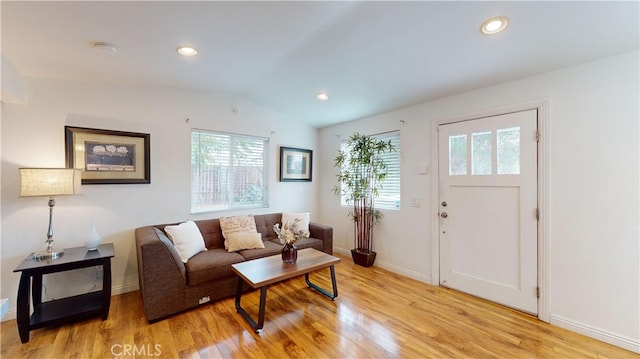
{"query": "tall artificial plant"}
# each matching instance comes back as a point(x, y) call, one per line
point(362, 172)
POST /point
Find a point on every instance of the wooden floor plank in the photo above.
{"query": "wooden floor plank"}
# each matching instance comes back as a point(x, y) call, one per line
point(378, 314)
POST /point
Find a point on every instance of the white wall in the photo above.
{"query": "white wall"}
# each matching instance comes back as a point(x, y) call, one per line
point(33, 136)
point(593, 190)
point(12, 83)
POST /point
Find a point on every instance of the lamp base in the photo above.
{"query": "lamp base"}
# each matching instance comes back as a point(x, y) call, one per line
point(48, 254)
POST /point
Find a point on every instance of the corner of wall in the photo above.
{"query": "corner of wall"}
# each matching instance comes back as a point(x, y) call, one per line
point(13, 88)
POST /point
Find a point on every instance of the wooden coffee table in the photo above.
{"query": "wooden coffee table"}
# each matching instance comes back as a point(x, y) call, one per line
point(260, 273)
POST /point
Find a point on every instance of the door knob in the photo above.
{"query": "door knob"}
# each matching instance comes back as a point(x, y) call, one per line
point(443, 214)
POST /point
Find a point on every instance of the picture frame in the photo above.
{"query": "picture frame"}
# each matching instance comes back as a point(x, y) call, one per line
point(296, 164)
point(108, 156)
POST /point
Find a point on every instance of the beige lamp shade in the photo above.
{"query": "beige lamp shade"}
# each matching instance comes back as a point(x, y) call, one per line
point(49, 182)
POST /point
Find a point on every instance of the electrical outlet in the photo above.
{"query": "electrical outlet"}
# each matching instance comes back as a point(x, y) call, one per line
point(204, 300)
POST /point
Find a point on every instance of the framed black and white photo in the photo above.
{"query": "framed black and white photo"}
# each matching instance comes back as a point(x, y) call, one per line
point(108, 157)
point(296, 164)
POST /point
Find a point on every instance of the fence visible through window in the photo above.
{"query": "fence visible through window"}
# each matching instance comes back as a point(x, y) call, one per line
point(227, 171)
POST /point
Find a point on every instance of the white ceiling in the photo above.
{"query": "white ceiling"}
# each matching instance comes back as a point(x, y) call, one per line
point(370, 57)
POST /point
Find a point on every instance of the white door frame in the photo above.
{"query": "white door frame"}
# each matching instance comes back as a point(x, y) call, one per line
point(543, 184)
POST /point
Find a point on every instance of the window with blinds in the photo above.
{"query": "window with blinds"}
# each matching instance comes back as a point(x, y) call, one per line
point(228, 171)
point(389, 194)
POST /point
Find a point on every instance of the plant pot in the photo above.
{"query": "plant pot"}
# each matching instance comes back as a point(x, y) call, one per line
point(363, 257)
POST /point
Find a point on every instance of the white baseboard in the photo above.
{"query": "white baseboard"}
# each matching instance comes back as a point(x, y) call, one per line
point(125, 288)
point(344, 252)
point(115, 290)
point(405, 272)
point(599, 334)
point(391, 268)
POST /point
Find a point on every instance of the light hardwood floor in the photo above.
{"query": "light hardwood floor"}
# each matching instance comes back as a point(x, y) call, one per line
point(378, 314)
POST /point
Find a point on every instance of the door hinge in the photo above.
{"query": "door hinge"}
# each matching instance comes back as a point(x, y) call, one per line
point(537, 214)
point(537, 135)
point(537, 292)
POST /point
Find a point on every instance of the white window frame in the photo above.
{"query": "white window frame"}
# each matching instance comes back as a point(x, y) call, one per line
point(225, 159)
point(389, 197)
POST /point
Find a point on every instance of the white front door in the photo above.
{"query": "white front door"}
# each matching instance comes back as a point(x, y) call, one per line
point(488, 208)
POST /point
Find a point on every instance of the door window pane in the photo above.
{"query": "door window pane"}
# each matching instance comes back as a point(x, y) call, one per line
point(458, 155)
point(481, 153)
point(509, 151)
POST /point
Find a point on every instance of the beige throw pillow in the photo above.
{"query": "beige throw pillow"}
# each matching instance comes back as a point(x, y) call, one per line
point(187, 239)
point(237, 224)
point(240, 241)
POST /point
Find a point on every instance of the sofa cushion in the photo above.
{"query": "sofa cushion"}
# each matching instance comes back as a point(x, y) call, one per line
point(270, 248)
point(186, 238)
point(211, 265)
point(264, 225)
point(239, 241)
point(237, 224)
point(211, 232)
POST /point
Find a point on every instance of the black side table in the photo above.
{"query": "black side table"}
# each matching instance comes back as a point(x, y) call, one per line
point(65, 310)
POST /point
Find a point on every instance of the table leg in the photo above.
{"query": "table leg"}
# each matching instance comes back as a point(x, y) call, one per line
point(321, 290)
point(22, 314)
point(239, 294)
point(263, 301)
point(106, 288)
point(36, 290)
point(257, 327)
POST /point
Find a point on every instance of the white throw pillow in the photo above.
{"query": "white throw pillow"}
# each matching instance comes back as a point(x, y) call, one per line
point(290, 217)
point(187, 239)
point(243, 240)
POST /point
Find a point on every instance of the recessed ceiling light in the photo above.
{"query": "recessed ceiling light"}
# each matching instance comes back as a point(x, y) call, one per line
point(494, 25)
point(104, 47)
point(322, 96)
point(187, 51)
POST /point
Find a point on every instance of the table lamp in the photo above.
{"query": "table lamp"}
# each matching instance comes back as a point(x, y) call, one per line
point(49, 182)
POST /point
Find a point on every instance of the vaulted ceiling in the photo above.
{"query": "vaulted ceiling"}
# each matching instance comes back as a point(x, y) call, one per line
point(369, 57)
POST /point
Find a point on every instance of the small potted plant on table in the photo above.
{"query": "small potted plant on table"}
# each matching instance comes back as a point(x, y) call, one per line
point(289, 234)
